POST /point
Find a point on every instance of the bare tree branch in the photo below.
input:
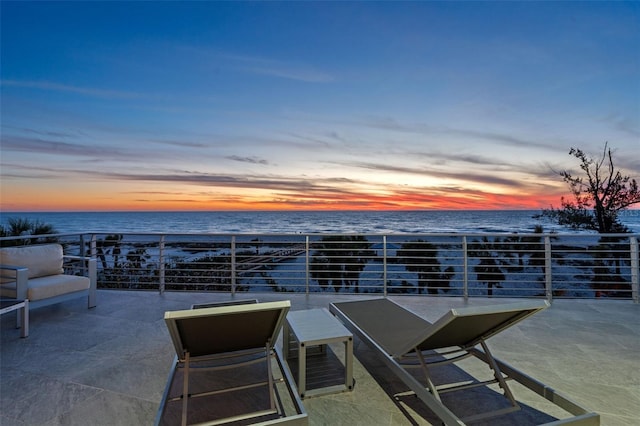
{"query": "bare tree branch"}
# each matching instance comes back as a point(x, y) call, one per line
point(599, 195)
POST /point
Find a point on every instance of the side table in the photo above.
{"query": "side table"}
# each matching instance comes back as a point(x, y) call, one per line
point(317, 327)
point(9, 305)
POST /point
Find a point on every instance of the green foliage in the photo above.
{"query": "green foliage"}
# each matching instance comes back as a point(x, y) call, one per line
point(339, 260)
point(208, 273)
point(111, 244)
point(422, 257)
point(18, 227)
point(488, 270)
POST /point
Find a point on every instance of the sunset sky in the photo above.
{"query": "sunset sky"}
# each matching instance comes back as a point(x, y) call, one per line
point(311, 105)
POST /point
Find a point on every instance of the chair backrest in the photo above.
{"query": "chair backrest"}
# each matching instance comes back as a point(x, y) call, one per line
point(225, 303)
point(466, 327)
point(41, 259)
point(223, 329)
point(387, 323)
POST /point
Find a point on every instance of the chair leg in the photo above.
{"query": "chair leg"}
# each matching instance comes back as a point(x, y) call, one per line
point(272, 398)
point(425, 369)
point(498, 375)
point(24, 317)
point(185, 389)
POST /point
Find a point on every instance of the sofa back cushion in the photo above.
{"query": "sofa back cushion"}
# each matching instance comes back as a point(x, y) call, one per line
point(41, 260)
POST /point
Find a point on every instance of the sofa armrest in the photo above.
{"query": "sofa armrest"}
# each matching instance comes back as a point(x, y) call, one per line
point(89, 267)
point(72, 257)
point(21, 275)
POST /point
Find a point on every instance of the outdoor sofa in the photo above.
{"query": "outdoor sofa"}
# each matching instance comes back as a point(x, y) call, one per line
point(44, 275)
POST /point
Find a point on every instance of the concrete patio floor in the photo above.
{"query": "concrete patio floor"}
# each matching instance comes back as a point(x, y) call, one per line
point(108, 365)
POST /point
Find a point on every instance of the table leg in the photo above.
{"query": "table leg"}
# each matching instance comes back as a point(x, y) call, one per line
point(348, 363)
point(285, 340)
point(24, 315)
point(302, 369)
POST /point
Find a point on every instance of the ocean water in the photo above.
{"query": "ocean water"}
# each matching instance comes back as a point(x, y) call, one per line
point(269, 222)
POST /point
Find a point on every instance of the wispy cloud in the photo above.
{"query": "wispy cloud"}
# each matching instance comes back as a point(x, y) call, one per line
point(463, 158)
point(315, 140)
point(389, 123)
point(19, 171)
point(221, 180)
point(251, 160)
point(253, 64)
point(182, 144)
point(59, 87)
point(42, 146)
point(127, 153)
point(281, 69)
point(431, 172)
point(300, 74)
point(392, 124)
point(46, 133)
point(624, 123)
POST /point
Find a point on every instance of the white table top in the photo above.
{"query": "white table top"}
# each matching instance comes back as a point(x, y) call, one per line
point(315, 325)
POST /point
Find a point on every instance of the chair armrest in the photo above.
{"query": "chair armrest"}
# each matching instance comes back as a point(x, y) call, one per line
point(90, 270)
point(85, 261)
point(11, 267)
point(21, 276)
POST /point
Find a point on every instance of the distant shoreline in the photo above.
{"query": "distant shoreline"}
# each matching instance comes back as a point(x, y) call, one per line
point(307, 221)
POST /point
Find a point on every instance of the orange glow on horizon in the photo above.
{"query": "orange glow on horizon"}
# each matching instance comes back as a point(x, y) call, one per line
point(32, 200)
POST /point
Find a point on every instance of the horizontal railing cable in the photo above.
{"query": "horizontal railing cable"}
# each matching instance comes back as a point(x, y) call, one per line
point(468, 265)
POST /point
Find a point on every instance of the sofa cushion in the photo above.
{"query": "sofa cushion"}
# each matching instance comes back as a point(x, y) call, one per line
point(41, 260)
point(49, 286)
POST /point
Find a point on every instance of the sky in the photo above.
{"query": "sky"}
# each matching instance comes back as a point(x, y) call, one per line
point(132, 106)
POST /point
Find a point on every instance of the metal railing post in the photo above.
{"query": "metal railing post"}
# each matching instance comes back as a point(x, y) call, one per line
point(384, 265)
point(548, 282)
point(83, 249)
point(306, 261)
point(161, 269)
point(233, 265)
point(465, 270)
point(635, 270)
point(94, 246)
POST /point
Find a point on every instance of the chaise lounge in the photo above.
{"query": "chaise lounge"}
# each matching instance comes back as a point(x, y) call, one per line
point(407, 341)
point(227, 369)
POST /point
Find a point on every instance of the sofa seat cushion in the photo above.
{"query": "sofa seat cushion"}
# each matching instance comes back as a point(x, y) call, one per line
point(51, 286)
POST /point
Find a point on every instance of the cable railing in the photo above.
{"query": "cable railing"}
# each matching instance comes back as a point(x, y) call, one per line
point(470, 265)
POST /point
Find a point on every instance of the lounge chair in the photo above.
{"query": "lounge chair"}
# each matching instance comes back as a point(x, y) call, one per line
point(406, 340)
point(227, 368)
